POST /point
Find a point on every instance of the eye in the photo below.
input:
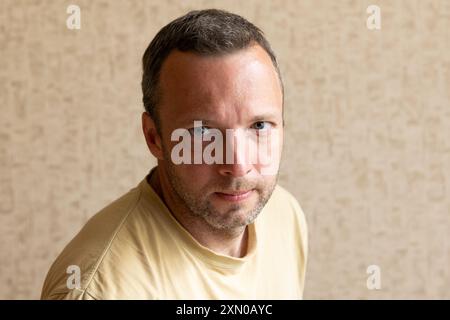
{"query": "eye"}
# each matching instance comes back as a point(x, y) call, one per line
point(261, 125)
point(199, 131)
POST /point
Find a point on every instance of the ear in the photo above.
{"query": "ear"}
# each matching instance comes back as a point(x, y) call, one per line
point(152, 136)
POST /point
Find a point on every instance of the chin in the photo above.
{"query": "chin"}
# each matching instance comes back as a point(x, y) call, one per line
point(233, 218)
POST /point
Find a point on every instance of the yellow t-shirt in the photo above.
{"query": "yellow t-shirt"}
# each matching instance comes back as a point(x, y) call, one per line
point(135, 249)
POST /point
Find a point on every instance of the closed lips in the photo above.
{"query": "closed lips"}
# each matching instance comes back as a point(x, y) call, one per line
point(234, 195)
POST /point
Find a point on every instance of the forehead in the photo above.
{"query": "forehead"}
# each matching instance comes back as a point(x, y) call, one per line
point(228, 87)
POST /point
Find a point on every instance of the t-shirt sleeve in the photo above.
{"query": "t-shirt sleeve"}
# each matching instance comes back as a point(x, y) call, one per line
point(74, 294)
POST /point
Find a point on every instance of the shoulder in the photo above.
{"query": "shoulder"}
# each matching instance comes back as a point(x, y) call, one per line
point(87, 249)
point(284, 210)
point(285, 203)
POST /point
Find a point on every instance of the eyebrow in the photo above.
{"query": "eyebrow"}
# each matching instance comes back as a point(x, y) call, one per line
point(207, 121)
point(265, 116)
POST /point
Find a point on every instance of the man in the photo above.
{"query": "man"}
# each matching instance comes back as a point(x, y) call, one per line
point(198, 228)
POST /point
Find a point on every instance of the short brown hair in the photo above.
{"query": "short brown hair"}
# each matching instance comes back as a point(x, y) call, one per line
point(205, 32)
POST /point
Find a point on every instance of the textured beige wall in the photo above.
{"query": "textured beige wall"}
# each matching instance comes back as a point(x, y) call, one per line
point(367, 149)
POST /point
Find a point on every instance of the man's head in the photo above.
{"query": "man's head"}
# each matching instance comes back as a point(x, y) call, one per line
point(216, 67)
point(207, 33)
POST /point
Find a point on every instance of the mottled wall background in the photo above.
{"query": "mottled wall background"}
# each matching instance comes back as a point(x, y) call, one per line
point(367, 150)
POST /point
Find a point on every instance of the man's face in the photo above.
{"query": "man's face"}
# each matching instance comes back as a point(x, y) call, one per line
point(240, 90)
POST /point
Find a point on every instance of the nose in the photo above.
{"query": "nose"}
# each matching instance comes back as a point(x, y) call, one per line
point(235, 170)
point(237, 161)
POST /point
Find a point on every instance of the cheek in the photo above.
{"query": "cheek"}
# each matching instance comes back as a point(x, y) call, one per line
point(194, 176)
point(269, 154)
point(267, 184)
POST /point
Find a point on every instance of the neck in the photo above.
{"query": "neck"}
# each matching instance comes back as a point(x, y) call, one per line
point(227, 242)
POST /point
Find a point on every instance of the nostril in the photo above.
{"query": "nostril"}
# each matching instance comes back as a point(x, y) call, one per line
point(235, 170)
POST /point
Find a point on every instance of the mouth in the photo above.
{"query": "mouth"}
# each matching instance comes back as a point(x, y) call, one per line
point(234, 196)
